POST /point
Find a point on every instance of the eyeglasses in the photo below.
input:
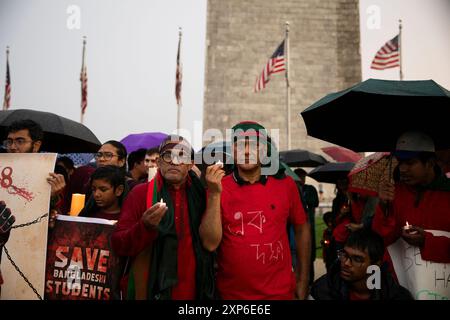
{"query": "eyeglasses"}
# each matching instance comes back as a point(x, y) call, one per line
point(172, 157)
point(105, 155)
point(18, 142)
point(356, 261)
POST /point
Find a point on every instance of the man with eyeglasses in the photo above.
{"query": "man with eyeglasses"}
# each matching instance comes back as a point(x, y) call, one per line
point(26, 136)
point(348, 278)
point(159, 226)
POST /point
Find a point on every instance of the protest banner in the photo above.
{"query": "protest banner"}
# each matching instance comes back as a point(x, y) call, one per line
point(426, 280)
point(80, 262)
point(25, 190)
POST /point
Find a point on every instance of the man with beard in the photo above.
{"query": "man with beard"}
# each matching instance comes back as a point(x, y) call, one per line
point(26, 136)
point(421, 197)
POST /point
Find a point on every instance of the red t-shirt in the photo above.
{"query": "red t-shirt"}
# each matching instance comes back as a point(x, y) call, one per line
point(254, 259)
point(131, 237)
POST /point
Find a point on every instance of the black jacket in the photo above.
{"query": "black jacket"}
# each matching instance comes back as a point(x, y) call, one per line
point(332, 287)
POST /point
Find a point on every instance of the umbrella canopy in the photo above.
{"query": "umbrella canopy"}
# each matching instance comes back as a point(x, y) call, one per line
point(302, 158)
point(341, 154)
point(146, 140)
point(61, 135)
point(371, 115)
point(331, 172)
point(369, 172)
point(79, 159)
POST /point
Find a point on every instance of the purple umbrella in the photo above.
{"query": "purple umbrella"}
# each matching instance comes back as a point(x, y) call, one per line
point(145, 140)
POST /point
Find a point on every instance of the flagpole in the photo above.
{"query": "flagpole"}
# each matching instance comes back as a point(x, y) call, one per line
point(288, 90)
point(5, 104)
point(400, 47)
point(179, 66)
point(82, 75)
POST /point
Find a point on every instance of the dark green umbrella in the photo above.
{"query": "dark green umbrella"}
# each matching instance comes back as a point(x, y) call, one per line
point(331, 172)
point(61, 135)
point(371, 115)
point(301, 158)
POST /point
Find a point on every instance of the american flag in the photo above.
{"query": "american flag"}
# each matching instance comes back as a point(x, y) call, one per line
point(388, 56)
point(179, 75)
point(7, 98)
point(275, 64)
point(83, 79)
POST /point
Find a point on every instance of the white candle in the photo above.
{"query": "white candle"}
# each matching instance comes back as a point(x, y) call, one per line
point(220, 163)
point(408, 227)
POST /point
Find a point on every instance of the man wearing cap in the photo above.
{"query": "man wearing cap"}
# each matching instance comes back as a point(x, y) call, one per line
point(421, 197)
point(158, 229)
point(248, 228)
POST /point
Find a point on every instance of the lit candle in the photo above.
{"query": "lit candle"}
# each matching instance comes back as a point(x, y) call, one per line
point(408, 227)
point(220, 163)
point(162, 203)
point(77, 204)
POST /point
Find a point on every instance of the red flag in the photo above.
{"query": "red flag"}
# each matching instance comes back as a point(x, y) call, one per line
point(388, 56)
point(179, 75)
point(275, 64)
point(7, 98)
point(83, 79)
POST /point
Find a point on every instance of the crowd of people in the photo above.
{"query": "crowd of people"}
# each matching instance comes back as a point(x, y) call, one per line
point(191, 234)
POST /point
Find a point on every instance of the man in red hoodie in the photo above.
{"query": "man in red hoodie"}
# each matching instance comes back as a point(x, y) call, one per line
point(420, 198)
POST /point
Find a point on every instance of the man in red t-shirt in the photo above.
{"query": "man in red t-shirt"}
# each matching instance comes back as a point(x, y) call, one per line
point(248, 228)
point(158, 228)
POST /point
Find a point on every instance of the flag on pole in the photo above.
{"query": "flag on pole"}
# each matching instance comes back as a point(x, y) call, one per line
point(388, 56)
point(7, 97)
point(275, 64)
point(83, 79)
point(179, 74)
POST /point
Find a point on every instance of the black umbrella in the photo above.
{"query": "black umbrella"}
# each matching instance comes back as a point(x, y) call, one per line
point(60, 134)
point(371, 115)
point(301, 158)
point(331, 172)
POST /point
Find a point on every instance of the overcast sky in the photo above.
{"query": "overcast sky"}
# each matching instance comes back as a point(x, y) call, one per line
point(131, 56)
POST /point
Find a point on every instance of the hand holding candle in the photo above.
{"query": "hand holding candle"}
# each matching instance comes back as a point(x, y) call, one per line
point(408, 227)
point(77, 204)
